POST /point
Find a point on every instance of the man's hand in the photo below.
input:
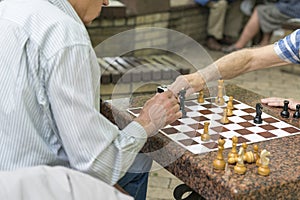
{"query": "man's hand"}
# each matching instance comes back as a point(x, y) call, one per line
point(159, 111)
point(275, 101)
point(192, 83)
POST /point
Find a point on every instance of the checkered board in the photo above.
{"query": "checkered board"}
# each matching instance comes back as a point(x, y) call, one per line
point(187, 131)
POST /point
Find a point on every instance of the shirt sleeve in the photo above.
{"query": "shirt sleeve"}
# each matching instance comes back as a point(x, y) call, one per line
point(93, 144)
point(288, 48)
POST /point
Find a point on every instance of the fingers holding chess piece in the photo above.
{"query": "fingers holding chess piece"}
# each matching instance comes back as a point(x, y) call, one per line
point(264, 169)
point(205, 136)
point(219, 162)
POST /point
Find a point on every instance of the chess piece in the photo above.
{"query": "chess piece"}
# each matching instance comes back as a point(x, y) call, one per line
point(225, 119)
point(248, 156)
point(219, 162)
point(285, 112)
point(264, 169)
point(230, 106)
point(255, 152)
point(257, 118)
point(205, 136)
point(240, 168)
point(182, 100)
point(201, 97)
point(232, 156)
point(220, 99)
point(230, 103)
point(297, 113)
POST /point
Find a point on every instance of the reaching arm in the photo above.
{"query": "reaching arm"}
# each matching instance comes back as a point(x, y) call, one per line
point(228, 67)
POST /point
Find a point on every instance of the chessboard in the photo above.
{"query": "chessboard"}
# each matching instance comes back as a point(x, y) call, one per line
point(187, 131)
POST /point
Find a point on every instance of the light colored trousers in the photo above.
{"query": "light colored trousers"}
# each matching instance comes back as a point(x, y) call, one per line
point(224, 19)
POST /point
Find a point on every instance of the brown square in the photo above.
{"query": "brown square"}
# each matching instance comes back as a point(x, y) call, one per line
point(249, 110)
point(214, 137)
point(244, 131)
point(205, 112)
point(187, 142)
point(209, 106)
point(245, 124)
point(234, 102)
point(200, 118)
point(242, 140)
point(247, 117)
point(170, 130)
point(187, 109)
point(211, 145)
point(219, 129)
point(196, 126)
point(176, 123)
point(291, 130)
point(230, 122)
point(190, 103)
point(268, 127)
point(270, 120)
point(266, 134)
point(192, 134)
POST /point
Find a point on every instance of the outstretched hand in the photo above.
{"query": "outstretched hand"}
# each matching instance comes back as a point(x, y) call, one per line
point(191, 83)
point(278, 102)
point(159, 111)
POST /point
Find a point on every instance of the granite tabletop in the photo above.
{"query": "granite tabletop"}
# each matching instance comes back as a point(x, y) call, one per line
point(197, 171)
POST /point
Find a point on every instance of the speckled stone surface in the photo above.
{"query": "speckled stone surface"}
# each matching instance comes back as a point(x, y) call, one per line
point(197, 171)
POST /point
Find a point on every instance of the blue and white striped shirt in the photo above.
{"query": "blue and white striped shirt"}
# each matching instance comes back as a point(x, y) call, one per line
point(49, 87)
point(288, 48)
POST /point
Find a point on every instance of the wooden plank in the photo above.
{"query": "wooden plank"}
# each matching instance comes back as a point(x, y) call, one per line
point(107, 72)
point(183, 70)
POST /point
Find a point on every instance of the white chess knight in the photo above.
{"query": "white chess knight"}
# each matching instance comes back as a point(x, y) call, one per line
point(264, 157)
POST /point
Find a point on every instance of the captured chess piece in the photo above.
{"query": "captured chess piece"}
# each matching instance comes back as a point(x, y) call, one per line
point(224, 119)
point(285, 112)
point(240, 168)
point(257, 118)
point(264, 169)
point(201, 97)
point(182, 101)
point(296, 114)
point(205, 136)
point(220, 99)
point(219, 162)
point(230, 106)
point(248, 156)
point(255, 152)
point(232, 156)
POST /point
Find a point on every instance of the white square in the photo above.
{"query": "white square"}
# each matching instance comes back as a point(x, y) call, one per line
point(256, 129)
point(193, 114)
point(236, 119)
point(233, 126)
point(178, 136)
point(280, 133)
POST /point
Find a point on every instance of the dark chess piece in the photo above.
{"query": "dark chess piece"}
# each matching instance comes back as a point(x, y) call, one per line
point(257, 118)
point(182, 101)
point(285, 113)
point(297, 113)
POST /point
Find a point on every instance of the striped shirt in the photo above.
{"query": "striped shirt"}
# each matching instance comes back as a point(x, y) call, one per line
point(288, 48)
point(49, 87)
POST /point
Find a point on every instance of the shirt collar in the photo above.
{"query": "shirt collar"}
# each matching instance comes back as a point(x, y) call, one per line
point(66, 7)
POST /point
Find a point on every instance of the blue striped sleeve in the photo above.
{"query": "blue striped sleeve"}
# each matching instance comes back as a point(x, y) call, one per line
point(288, 48)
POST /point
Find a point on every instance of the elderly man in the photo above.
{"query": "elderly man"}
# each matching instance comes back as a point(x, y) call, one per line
point(50, 97)
point(266, 18)
point(224, 22)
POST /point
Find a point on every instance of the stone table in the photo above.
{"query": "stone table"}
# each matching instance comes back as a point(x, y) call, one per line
point(197, 172)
